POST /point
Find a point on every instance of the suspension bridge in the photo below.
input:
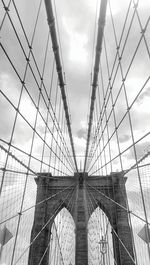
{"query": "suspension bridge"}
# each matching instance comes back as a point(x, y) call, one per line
point(74, 132)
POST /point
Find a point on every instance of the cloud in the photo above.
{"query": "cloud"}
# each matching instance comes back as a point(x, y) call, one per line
point(145, 94)
point(135, 201)
point(82, 133)
point(141, 150)
point(124, 138)
point(8, 86)
point(76, 24)
point(76, 34)
point(78, 52)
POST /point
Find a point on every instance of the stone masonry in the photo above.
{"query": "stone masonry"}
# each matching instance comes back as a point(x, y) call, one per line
point(103, 190)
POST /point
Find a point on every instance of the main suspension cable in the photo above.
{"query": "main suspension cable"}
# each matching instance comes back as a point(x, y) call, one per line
point(51, 23)
point(101, 25)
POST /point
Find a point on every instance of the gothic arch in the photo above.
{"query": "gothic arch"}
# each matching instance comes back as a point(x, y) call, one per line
point(107, 191)
point(99, 225)
point(105, 209)
point(62, 226)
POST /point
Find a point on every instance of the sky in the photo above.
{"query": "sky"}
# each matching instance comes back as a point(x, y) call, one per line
point(77, 38)
point(76, 21)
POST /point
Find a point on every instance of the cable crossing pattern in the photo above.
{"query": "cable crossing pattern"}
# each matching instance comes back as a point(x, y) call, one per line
point(39, 140)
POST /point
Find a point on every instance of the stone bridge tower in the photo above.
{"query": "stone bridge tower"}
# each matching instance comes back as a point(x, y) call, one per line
point(106, 191)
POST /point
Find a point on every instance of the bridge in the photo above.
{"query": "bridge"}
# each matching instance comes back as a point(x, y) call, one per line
point(74, 132)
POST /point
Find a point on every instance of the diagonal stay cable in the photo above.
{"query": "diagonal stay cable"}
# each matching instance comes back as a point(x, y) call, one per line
point(107, 95)
point(17, 109)
point(126, 149)
point(118, 204)
point(71, 203)
point(125, 248)
point(24, 153)
point(126, 74)
point(28, 62)
point(33, 206)
point(106, 233)
point(45, 225)
point(37, 133)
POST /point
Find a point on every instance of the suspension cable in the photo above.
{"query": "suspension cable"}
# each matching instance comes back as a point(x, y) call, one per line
point(71, 201)
point(101, 24)
point(45, 225)
point(33, 206)
point(118, 204)
point(125, 248)
point(51, 23)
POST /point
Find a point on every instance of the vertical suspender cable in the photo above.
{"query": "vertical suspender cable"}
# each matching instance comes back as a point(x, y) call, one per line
point(51, 23)
point(101, 24)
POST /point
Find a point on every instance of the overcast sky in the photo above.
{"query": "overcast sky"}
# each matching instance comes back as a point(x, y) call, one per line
point(76, 20)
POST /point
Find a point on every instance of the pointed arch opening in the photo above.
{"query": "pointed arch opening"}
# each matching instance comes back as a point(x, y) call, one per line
point(62, 239)
point(100, 243)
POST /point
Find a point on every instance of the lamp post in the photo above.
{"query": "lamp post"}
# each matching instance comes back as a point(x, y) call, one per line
point(103, 248)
